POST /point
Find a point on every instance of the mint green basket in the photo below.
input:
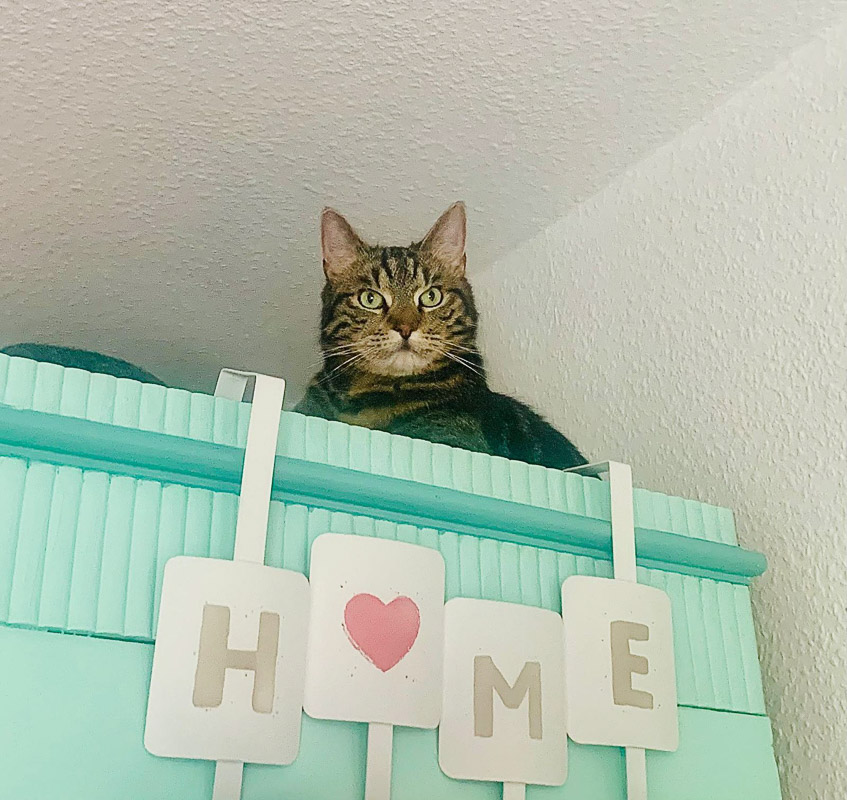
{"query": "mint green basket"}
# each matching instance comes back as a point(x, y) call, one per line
point(103, 480)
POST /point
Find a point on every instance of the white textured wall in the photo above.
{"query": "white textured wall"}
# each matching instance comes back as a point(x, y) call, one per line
point(163, 164)
point(690, 319)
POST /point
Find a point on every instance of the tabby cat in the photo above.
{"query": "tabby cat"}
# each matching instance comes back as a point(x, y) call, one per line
point(398, 335)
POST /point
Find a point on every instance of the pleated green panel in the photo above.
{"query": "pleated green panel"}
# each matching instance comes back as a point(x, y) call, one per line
point(102, 398)
point(85, 551)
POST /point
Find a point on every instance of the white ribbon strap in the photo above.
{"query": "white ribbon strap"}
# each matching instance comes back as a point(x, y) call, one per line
point(251, 530)
point(624, 568)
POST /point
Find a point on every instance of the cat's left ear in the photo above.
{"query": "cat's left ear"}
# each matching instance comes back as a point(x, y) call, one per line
point(446, 239)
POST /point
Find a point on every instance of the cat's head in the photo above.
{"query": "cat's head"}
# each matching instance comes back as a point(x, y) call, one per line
point(395, 311)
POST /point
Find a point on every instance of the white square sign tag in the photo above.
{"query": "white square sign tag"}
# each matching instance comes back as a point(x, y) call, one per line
point(503, 716)
point(376, 631)
point(229, 663)
point(620, 665)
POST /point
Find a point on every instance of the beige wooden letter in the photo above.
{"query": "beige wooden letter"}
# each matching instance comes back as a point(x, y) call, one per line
point(624, 664)
point(487, 679)
point(215, 658)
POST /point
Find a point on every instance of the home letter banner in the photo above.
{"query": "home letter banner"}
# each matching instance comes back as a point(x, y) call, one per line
point(620, 667)
point(503, 716)
point(229, 664)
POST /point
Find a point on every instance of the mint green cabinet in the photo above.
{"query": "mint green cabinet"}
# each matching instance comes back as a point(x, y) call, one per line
point(103, 480)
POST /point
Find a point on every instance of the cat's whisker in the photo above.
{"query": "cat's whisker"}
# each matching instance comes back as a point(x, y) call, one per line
point(362, 351)
point(330, 354)
point(436, 342)
point(450, 347)
point(340, 349)
point(340, 367)
point(454, 346)
point(464, 363)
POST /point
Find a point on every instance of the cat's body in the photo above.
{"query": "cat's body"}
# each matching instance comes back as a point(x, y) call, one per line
point(398, 335)
point(462, 413)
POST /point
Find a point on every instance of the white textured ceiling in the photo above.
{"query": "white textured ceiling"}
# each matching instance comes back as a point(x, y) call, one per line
point(162, 165)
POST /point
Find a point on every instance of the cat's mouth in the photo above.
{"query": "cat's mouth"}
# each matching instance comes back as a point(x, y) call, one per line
point(398, 356)
point(405, 360)
point(405, 356)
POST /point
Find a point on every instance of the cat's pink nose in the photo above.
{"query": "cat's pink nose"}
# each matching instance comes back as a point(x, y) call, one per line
point(404, 330)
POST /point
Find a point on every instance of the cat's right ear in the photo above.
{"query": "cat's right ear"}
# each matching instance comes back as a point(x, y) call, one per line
point(340, 246)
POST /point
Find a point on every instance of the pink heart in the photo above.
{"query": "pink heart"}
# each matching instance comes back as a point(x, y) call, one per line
point(382, 633)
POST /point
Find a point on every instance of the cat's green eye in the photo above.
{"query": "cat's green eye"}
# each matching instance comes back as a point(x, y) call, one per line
point(371, 300)
point(431, 297)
